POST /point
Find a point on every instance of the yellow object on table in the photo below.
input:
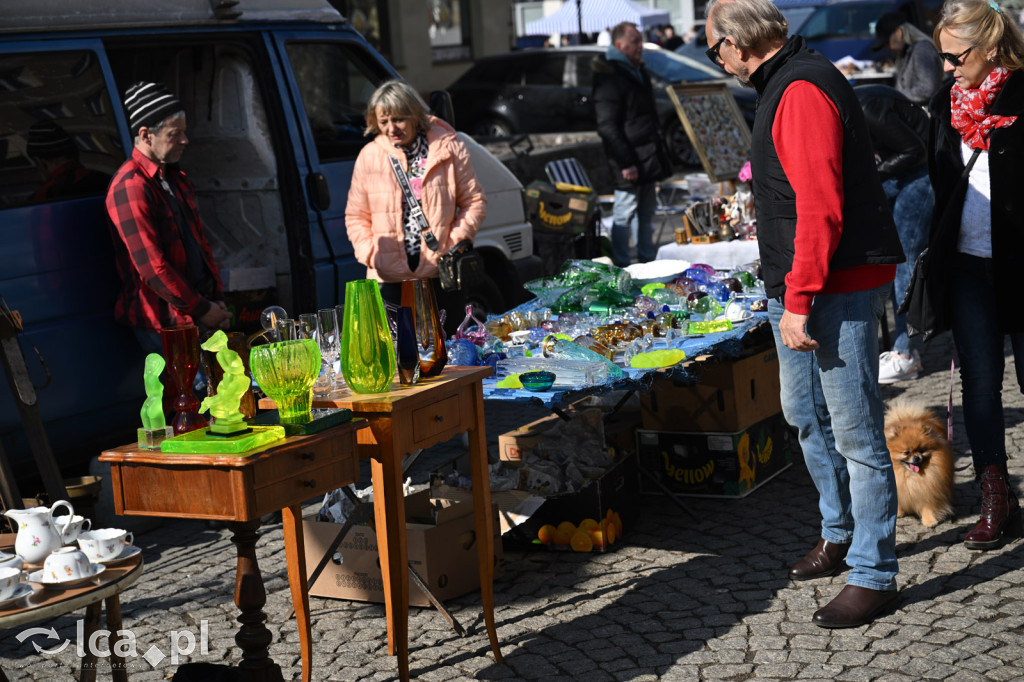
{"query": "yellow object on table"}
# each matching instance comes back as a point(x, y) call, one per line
point(511, 381)
point(657, 358)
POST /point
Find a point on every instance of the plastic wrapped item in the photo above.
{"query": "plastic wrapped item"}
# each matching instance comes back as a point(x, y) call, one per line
point(568, 373)
point(562, 349)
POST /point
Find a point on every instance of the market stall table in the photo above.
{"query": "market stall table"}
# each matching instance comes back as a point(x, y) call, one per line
point(719, 255)
point(50, 603)
point(239, 489)
point(402, 420)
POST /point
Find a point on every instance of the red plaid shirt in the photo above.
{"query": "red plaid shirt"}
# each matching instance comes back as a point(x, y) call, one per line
point(151, 258)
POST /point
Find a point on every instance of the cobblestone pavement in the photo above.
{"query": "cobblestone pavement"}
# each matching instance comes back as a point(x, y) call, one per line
point(676, 600)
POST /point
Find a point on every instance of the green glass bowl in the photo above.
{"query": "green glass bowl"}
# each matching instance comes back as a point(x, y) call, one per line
point(286, 371)
point(537, 380)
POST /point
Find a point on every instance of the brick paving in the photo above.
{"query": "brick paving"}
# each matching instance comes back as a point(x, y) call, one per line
point(676, 600)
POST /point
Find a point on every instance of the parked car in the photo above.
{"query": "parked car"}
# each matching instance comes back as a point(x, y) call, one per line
point(795, 11)
point(275, 92)
point(548, 90)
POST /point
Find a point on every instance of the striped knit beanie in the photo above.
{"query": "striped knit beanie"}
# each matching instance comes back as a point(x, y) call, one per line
point(47, 140)
point(148, 104)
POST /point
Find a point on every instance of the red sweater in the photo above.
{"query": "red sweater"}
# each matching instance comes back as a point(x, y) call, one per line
point(808, 136)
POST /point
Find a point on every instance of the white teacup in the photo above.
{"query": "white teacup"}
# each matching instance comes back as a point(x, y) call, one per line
point(11, 561)
point(104, 544)
point(10, 578)
point(70, 526)
point(66, 563)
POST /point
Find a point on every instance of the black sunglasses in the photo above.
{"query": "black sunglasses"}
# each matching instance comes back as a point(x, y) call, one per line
point(955, 59)
point(712, 52)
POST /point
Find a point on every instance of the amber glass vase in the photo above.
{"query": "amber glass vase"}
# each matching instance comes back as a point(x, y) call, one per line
point(367, 350)
point(418, 294)
point(181, 352)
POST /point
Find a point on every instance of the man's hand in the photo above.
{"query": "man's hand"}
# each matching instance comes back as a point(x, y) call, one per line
point(631, 174)
point(793, 329)
point(217, 317)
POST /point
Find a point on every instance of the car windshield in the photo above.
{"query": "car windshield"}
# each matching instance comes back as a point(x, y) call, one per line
point(674, 68)
point(853, 20)
point(796, 16)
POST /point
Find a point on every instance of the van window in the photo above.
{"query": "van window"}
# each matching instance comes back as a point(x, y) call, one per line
point(335, 81)
point(59, 139)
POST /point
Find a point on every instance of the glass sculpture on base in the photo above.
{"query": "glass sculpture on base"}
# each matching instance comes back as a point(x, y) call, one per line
point(154, 426)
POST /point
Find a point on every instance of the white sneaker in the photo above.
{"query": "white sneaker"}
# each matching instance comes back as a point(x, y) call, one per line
point(893, 367)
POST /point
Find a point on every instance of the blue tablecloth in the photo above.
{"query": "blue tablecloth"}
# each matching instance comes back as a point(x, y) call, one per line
point(721, 345)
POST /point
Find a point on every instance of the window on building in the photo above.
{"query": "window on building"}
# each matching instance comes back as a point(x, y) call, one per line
point(448, 26)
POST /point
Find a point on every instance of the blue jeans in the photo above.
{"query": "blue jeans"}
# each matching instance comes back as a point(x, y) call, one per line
point(911, 200)
point(831, 396)
point(633, 214)
point(979, 344)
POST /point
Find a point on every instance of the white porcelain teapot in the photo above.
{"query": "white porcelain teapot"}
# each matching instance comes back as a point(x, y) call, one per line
point(37, 536)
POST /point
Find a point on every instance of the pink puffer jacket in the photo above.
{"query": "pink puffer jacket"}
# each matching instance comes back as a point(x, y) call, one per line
point(452, 200)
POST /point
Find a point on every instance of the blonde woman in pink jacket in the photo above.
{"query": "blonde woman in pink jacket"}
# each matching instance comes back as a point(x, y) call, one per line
point(386, 236)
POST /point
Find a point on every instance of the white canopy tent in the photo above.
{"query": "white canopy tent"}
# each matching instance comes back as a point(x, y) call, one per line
point(593, 16)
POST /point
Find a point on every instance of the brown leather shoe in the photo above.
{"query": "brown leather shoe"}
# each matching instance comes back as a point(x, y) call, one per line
point(825, 559)
point(856, 606)
point(1000, 511)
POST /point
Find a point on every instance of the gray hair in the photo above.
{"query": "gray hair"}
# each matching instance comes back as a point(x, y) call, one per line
point(979, 23)
point(750, 23)
point(620, 30)
point(156, 128)
point(396, 98)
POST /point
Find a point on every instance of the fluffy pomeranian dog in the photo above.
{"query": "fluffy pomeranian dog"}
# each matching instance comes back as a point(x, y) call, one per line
point(922, 460)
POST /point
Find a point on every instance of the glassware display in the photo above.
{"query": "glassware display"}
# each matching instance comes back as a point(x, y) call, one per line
point(537, 380)
point(569, 374)
point(339, 378)
point(367, 350)
point(287, 329)
point(269, 318)
point(328, 338)
point(406, 347)
point(307, 326)
point(554, 347)
point(236, 342)
point(224, 398)
point(418, 295)
point(181, 353)
point(286, 370)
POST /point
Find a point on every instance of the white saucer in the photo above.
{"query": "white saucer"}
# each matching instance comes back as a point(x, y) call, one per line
point(21, 591)
point(128, 552)
point(37, 577)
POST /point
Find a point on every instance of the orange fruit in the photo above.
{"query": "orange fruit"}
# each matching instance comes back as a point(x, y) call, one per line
point(546, 534)
point(608, 526)
point(567, 526)
point(588, 524)
point(609, 514)
point(562, 538)
point(597, 537)
point(581, 542)
point(617, 520)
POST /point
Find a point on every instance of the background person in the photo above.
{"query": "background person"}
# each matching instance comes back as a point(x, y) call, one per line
point(385, 236)
point(826, 286)
point(978, 233)
point(918, 66)
point(899, 136)
point(167, 270)
point(627, 122)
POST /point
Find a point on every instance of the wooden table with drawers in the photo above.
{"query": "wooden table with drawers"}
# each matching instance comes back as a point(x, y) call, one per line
point(240, 490)
point(403, 420)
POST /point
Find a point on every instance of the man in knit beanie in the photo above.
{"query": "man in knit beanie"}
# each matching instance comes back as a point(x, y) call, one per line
point(167, 270)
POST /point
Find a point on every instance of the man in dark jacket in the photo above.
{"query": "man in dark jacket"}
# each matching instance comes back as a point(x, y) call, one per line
point(627, 122)
point(918, 65)
point(828, 256)
point(899, 135)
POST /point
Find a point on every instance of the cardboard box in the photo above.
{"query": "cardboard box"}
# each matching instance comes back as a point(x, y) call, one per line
point(513, 445)
point(559, 212)
point(729, 396)
point(441, 546)
point(716, 464)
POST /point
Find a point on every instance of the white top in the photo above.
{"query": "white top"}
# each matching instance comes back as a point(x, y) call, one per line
point(976, 218)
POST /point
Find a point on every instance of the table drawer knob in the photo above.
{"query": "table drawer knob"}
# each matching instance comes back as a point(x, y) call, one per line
point(308, 456)
point(439, 418)
point(311, 483)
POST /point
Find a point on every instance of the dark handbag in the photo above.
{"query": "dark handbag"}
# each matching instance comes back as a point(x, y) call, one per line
point(459, 267)
point(919, 305)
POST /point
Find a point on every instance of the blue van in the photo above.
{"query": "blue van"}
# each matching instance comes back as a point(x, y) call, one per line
point(275, 92)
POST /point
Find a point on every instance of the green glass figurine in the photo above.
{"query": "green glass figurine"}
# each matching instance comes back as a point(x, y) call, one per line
point(227, 418)
point(154, 425)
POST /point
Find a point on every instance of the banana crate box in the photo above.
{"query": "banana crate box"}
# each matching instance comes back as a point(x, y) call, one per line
point(716, 464)
point(562, 212)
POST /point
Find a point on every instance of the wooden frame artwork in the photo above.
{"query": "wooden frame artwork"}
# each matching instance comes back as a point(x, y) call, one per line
point(715, 126)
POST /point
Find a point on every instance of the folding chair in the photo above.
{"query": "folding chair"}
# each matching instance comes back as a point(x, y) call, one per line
point(569, 171)
point(665, 212)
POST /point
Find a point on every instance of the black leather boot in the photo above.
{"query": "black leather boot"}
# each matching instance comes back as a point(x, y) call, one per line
point(1000, 510)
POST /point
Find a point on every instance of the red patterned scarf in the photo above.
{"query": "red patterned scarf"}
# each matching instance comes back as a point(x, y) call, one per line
point(970, 109)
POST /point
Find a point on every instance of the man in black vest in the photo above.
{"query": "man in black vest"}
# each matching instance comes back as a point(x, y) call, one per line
point(828, 256)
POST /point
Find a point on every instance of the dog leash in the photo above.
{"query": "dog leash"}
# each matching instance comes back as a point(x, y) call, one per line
point(949, 400)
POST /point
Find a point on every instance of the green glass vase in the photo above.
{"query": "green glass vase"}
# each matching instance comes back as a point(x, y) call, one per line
point(367, 350)
point(286, 371)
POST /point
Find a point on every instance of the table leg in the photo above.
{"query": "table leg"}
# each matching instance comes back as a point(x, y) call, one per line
point(253, 638)
point(484, 516)
point(118, 668)
point(295, 558)
point(91, 625)
point(389, 523)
